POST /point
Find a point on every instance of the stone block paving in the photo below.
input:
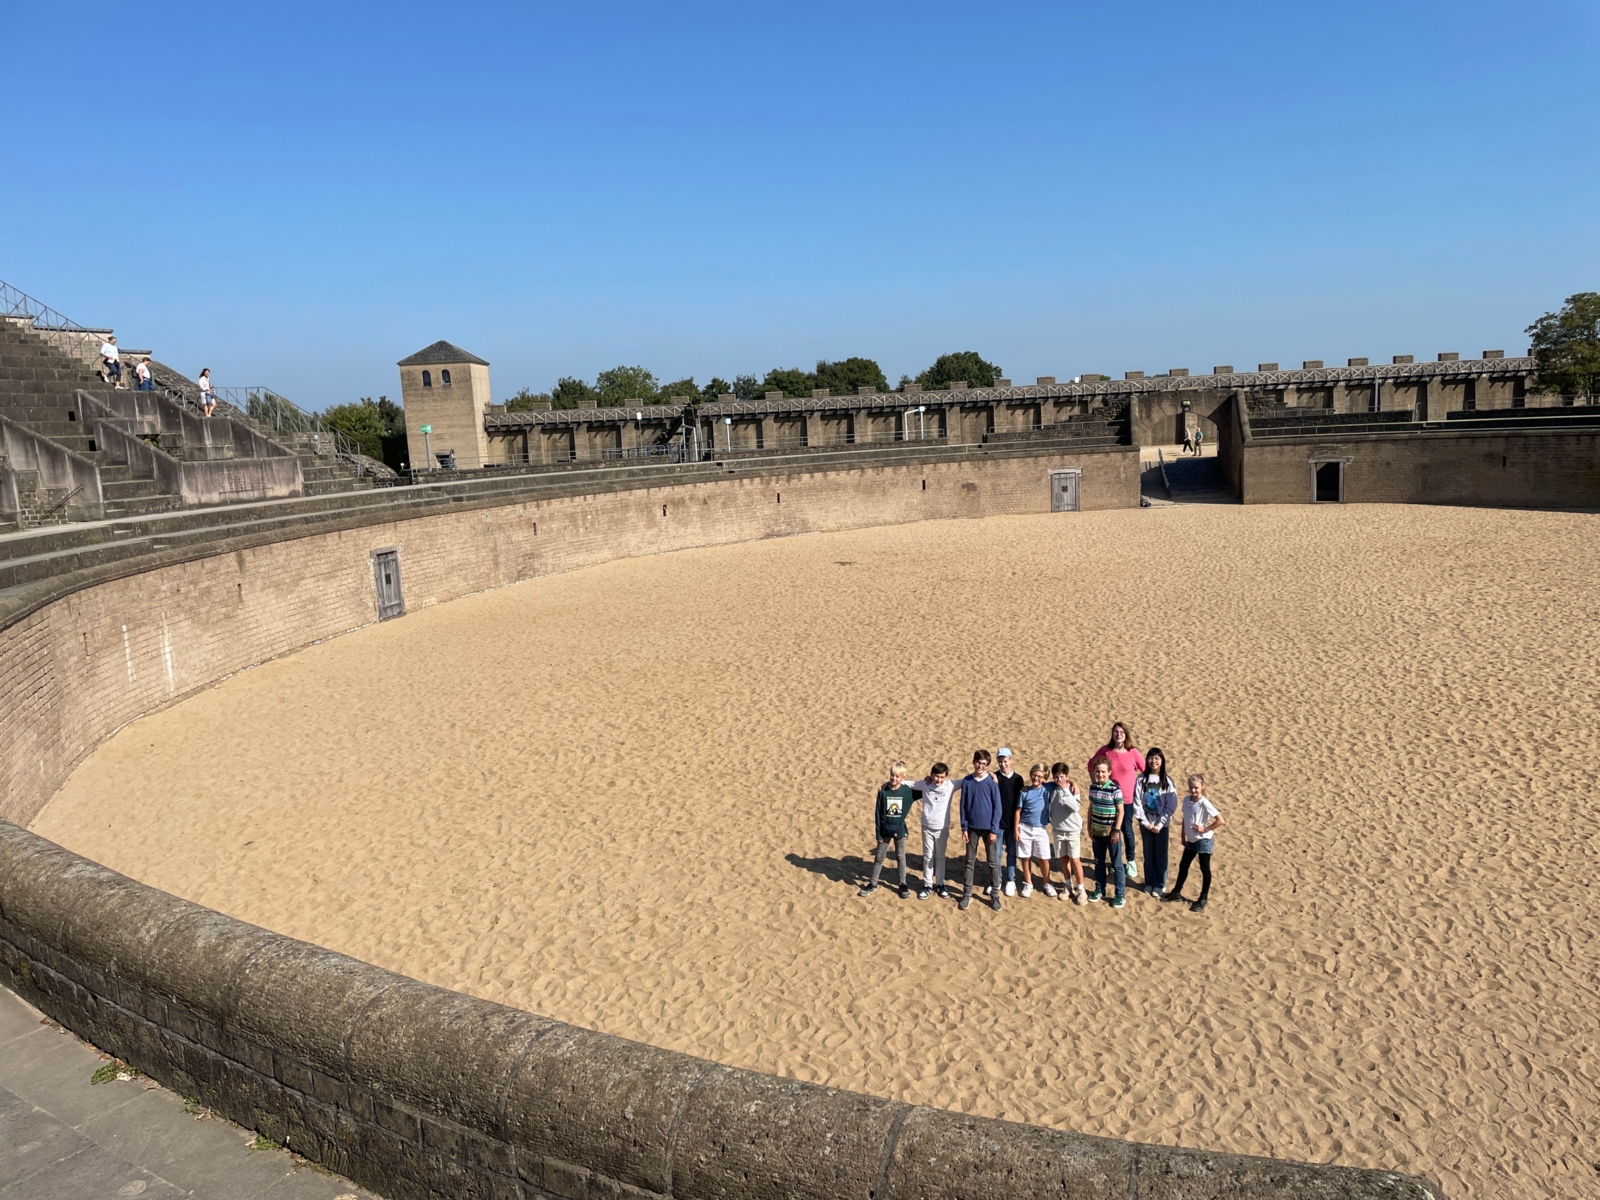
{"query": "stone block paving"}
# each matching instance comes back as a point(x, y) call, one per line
point(64, 1138)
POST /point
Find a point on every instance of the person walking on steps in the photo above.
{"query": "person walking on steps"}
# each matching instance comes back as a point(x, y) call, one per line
point(208, 397)
point(112, 358)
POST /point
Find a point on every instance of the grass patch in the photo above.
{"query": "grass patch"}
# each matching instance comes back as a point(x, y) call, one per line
point(113, 1071)
point(263, 1142)
point(192, 1105)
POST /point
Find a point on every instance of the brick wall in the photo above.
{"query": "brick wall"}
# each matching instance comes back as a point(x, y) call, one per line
point(1521, 469)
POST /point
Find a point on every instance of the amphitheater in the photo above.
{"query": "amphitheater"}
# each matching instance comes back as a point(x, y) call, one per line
point(494, 829)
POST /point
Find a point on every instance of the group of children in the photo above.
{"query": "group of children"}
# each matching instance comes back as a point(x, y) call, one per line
point(1039, 821)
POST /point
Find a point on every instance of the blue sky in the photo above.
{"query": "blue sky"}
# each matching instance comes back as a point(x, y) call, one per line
point(299, 195)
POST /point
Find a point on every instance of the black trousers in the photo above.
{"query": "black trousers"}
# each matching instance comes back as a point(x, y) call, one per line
point(1189, 855)
point(1155, 856)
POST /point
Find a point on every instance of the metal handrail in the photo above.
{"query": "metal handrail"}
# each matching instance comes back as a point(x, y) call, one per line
point(16, 304)
point(60, 504)
point(264, 407)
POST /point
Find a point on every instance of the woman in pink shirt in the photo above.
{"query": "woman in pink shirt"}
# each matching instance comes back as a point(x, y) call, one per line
point(1126, 764)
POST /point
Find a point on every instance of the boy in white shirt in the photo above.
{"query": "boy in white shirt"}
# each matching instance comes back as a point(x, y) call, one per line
point(1066, 822)
point(935, 792)
point(1200, 820)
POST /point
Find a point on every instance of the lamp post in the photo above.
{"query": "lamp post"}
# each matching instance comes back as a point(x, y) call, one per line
point(427, 445)
point(727, 435)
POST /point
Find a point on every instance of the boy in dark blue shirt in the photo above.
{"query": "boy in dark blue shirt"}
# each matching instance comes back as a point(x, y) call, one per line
point(981, 814)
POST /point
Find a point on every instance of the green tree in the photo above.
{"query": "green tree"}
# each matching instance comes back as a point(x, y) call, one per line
point(620, 385)
point(1566, 345)
point(394, 417)
point(965, 365)
point(842, 378)
point(791, 381)
point(683, 387)
point(717, 387)
point(361, 422)
point(525, 401)
point(747, 387)
point(570, 393)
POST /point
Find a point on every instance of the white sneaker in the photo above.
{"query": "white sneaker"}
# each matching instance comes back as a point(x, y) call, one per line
point(1027, 889)
point(1080, 897)
point(1011, 887)
point(1133, 870)
point(1050, 890)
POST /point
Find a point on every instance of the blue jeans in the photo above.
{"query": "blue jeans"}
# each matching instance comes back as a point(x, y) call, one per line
point(1008, 841)
point(145, 385)
point(1105, 847)
point(1130, 834)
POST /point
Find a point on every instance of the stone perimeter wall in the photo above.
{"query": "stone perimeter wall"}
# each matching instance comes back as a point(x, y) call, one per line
point(1533, 468)
point(417, 1091)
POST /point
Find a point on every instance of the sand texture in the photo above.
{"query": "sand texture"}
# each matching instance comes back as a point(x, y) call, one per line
point(638, 798)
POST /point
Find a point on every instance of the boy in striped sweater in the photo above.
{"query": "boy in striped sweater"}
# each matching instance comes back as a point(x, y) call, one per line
point(1105, 831)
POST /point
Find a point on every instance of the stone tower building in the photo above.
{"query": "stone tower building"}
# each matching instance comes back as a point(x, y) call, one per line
point(447, 389)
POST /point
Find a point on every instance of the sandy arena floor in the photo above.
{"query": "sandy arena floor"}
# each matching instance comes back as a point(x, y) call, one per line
point(638, 798)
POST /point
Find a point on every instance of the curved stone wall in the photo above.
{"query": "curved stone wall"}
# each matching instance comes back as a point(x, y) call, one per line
point(415, 1090)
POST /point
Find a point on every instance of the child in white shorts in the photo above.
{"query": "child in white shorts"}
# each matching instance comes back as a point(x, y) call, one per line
point(1066, 820)
point(1032, 831)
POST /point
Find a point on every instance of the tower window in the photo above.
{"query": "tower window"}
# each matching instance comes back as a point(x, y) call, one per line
point(444, 378)
point(427, 379)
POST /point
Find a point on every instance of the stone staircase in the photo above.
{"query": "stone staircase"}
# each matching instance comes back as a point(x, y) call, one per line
point(323, 468)
point(1198, 481)
point(52, 468)
point(38, 384)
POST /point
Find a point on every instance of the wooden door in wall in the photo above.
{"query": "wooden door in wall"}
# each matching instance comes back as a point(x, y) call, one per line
point(1064, 490)
point(386, 579)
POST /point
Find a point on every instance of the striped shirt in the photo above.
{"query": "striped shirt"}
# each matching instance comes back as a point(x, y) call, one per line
point(1105, 808)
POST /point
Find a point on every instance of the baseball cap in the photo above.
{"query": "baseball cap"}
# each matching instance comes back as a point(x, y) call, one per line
point(1003, 752)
